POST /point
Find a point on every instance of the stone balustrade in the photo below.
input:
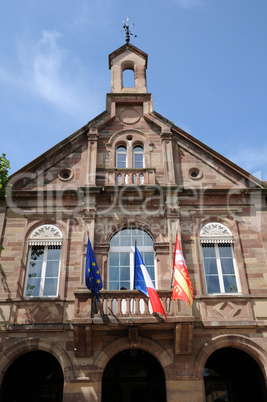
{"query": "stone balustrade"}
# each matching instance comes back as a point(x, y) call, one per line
point(125, 304)
point(121, 177)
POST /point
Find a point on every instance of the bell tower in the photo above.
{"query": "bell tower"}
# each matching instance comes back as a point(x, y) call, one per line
point(128, 57)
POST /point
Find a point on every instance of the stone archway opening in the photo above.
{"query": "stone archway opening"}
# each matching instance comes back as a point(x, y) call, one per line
point(133, 375)
point(232, 375)
point(34, 376)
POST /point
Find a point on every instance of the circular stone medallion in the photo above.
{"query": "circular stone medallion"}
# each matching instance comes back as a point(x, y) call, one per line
point(129, 116)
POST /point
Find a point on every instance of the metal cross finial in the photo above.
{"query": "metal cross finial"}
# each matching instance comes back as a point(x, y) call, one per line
point(126, 28)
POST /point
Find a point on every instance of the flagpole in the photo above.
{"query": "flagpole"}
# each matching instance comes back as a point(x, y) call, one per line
point(173, 269)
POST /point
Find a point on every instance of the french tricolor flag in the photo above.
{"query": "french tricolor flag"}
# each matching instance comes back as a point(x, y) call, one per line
point(143, 282)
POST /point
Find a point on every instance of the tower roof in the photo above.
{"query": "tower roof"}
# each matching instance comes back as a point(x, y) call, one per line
point(123, 49)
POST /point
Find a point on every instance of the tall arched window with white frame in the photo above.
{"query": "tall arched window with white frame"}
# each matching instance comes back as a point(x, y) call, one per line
point(121, 157)
point(121, 257)
point(138, 157)
point(43, 267)
point(218, 257)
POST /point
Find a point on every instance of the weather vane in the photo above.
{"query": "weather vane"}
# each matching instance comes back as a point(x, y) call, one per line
point(127, 30)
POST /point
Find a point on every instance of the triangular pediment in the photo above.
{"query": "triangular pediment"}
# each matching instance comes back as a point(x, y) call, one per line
point(215, 171)
point(127, 48)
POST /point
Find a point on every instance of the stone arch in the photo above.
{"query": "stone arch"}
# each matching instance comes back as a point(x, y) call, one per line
point(10, 354)
point(235, 341)
point(124, 132)
point(124, 224)
point(120, 137)
point(142, 343)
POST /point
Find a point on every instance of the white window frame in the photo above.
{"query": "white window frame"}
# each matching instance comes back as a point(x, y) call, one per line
point(43, 274)
point(216, 233)
point(121, 153)
point(45, 235)
point(138, 153)
point(220, 273)
point(131, 250)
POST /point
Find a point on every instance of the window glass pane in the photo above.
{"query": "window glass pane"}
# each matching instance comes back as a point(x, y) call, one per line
point(138, 157)
point(125, 274)
point(50, 287)
point(113, 274)
point(125, 259)
point(148, 258)
point(53, 253)
point(114, 285)
point(208, 251)
point(121, 149)
point(125, 285)
point(33, 287)
point(227, 266)
point(115, 240)
point(213, 285)
point(210, 266)
point(52, 269)
point(121, 158)
point(138, 148)
point(147, 240)
point(121, 165)
point(225, 250)
point(35, 269)
point(126, 241)
point(230, 284)
point(114, 259)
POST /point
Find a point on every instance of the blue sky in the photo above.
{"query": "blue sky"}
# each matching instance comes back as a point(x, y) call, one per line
point(207, 70)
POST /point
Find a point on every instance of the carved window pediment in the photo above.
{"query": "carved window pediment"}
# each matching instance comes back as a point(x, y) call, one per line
point(46, 235)
point(215, 232)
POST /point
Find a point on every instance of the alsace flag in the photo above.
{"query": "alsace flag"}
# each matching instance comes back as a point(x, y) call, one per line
point(92, 275)
point(143, 282)
point(182, 285)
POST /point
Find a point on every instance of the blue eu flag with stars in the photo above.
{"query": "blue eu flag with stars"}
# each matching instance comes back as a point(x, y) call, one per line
point(92, 274)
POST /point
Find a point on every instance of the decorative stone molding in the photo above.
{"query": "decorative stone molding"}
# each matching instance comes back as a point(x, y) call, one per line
point(46, 235)
point(215, 232)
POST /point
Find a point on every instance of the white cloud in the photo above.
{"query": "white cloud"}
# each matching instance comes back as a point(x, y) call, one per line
point(48, 72)
point(189, 3)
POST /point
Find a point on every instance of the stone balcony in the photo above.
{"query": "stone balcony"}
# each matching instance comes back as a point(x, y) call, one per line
point(129, 311)
point(128, 306)
point(121, 177)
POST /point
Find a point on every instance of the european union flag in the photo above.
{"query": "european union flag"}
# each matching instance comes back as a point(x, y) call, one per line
point(92, 274)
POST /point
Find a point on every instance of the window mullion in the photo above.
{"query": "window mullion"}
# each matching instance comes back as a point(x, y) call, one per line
point(219, 268)
point(43, 273)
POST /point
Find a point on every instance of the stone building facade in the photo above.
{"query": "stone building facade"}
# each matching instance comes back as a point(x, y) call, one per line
point(130, 174)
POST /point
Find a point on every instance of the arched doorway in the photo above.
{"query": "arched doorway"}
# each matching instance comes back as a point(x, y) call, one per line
point(34, 376)
point(233, 375)
point(133, 375)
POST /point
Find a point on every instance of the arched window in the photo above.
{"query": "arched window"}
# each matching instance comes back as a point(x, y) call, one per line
point(121, 157)
point(121, 257)
point(138, 157)
point(43, 262)
point(217, 248)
